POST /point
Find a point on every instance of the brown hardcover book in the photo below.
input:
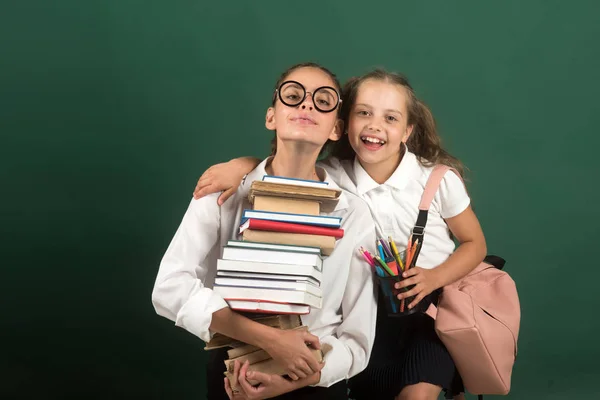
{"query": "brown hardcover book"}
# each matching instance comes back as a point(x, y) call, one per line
point(276, 321)
point(286, 205)
point(229, 343)
point(253, 358)
point(327, 197)
point(242, 350)
point(218, 341)
point(287, 321)
point(326, 243)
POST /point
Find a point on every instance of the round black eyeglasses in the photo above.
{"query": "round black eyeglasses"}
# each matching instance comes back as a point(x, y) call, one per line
point(325, 98)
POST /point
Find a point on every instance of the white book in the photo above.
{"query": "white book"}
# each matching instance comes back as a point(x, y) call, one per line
point(318, 220)
point(272, 257)
point(274, 246)
point(269, 268)
point(268, 307)
point(273, 295)
point(269, 284)
point(294, 181)
point(278, 277)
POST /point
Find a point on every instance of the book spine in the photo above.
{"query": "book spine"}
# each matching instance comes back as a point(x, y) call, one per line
point(286, 227)
point(325, 243)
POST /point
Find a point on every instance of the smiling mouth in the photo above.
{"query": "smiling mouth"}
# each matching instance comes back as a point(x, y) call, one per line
point(368, 140)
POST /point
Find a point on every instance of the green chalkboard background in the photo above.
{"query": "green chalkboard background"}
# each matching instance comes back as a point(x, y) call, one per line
point(110, 110)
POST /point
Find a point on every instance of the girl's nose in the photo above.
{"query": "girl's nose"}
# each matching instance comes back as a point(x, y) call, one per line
point(308, 103)
point(374, 127)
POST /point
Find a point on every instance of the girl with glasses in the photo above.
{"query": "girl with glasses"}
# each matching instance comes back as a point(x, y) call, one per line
point(304, 116)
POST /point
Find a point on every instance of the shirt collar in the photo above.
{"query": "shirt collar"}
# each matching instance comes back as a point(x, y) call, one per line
point(398, 180)
point(258, 173)
point(364, 183)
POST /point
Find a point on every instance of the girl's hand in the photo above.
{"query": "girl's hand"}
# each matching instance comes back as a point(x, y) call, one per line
point(235, 392)
point(220, 177)
point(425, 281)
point(291, 351)
point(224, 177)
point(268, 385)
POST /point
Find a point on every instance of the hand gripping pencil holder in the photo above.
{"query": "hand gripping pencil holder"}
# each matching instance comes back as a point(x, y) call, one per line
point(392, 304)
point(388, 267)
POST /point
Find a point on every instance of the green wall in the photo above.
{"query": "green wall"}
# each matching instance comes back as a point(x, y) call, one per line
point(110, 110)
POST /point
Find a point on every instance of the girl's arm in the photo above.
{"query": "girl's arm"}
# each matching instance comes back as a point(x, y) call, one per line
point(282, 345)
point(470, 252)
point(225, 177)
point(180, 295)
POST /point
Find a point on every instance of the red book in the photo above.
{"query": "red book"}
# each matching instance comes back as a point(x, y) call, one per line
point(276, 226)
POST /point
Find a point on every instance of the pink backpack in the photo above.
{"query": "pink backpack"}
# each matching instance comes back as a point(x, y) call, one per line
point(478, 317)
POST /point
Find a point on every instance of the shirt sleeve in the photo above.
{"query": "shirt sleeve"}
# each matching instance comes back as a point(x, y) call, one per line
point(351, 345)
point(179, 293)
point(452, 196)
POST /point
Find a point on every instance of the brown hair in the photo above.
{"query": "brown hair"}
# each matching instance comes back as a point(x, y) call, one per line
point(285, 75)
point(424, 141)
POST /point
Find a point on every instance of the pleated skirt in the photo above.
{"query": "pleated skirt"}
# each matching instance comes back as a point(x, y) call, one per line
point(406, 351)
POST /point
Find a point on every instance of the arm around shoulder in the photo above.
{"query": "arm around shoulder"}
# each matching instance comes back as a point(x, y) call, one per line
point(224, 177)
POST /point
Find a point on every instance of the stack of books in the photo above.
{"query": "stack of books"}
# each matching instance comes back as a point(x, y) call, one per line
point(273, 273)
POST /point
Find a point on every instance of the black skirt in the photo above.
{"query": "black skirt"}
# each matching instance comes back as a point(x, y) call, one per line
point(406, 351)
point(216, 386)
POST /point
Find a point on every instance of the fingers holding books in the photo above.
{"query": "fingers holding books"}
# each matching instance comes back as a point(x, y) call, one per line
point(233, 394)
point(233, 388)
point(312, 341)
point(302, 368)
point(267, 385)
point(291, 351)
point(228, 390)
point(252, 392)
point(310, 365)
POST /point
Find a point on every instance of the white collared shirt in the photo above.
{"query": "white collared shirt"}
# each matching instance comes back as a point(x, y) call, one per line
point(395, 203)
point(183, 288)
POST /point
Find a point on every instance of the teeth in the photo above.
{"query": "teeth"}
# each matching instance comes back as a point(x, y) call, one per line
point(373, 140)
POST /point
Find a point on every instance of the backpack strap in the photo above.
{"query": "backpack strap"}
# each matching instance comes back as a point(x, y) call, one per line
point(431, 187)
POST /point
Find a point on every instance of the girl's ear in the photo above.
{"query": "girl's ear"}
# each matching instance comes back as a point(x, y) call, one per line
point(270, 119)
point(337, 131)
point(408, 132)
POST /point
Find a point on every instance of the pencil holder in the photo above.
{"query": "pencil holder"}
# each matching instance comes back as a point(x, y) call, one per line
point(392, 304)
